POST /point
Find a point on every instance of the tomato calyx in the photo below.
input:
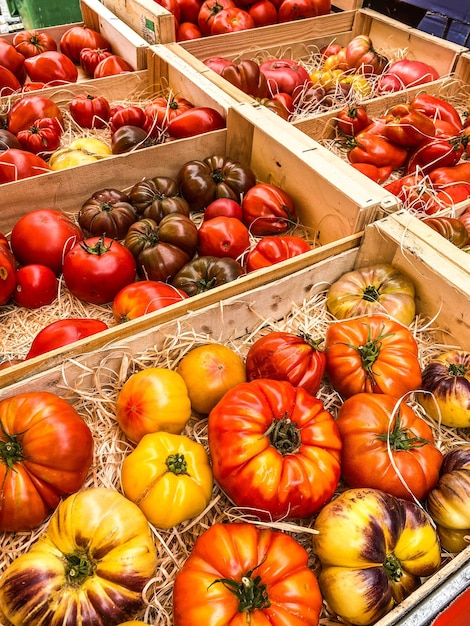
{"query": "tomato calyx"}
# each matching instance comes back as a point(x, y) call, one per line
point(314, 343)
point(79, 567)
point(393, 568)
point(457, 369)
point(401, 438)
point(11, 450)
point(176, 463)
point(370, 351)
point(371, 294)
point(98, 249)
point(251, 594)
point(284, 435)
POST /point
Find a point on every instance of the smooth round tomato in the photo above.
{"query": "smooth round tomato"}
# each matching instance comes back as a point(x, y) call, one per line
point(372, 354)
point(286, 356)
point(231, 20)
point(296, 9)
point(62, 333)
point(78, 37)
point(90, 111)
point(32, 42)
point(218, 63)
point(275, 449)
point(44, 236)
point(151, 400)
point(96, 269)
point(8, 82)
point(189, 10)
point(12, 60)
point(52, 68)
point(380, 432)
point(240, 573)
point(30, 108)
point(16, 164)
point(36, 286)
point(209, 371)
point(194, 122)
point(263, 13)
point(187, 31)
point(223, 237)
point(34, 475)
point(142, 297)
point(43, 136)
point(90, 57)
point(268, 210)
point(112, 66)
point(223, 207)
point(273, 249)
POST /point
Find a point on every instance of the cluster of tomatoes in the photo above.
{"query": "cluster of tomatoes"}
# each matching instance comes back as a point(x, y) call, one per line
point(34, 59)
point(202, 18)
point(142, 249)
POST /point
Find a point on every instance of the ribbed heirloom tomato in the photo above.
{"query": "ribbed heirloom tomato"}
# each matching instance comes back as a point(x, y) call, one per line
point(275, 449)
point(244, 575)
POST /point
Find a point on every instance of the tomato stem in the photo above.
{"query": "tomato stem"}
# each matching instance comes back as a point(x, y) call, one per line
point(284, 435)
point(393, 568)
point(78, 568)
point(250, 592)
point(11, 450)
point(370, 294)
point(401, 438)
point(456, 369)
point(176, 463)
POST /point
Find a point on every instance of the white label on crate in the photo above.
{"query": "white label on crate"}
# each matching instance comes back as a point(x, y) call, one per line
point(148, 30)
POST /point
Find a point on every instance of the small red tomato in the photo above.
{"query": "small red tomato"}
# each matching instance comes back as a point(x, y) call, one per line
point(223, 207)
point(194, 122)
point(111, 66)
point(36, 286)
point(223, 237)
point(263, 12)
point(90, 57)
point(187, 31)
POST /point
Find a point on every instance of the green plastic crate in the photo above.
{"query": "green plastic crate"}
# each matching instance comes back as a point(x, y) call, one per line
point(44, 13)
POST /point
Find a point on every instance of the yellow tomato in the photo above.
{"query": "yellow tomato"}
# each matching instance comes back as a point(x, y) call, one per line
point(65, 158)
point(169, 477)
point(209, 371)
point(359, 83)
point(326, 78)
point(152, 400)
point(92, 145)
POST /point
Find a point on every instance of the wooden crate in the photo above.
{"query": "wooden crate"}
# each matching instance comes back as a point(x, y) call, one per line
point(442, 296)
point(157, 25)
point(332, 207)
point(124, 41)
point(302, 39)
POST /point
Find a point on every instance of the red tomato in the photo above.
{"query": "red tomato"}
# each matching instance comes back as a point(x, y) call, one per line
point(35, 474)
point(17, 164)
point(263, 13)
point(30, 108)
point(223, 237)
point(284, 75)
point(29, 43)
point(286, 356)
point(208, 11)
point(12, 60)
point(32, 86)
point(7, 271)
point(127, 116)
point(377, 174)
point(62, 333)
point(111, 66)
point(274, 249)
point(52, 68)
point(8, 82)
point(36, 286)
point(231, 20)
point(268, 210)
point(96, 269)
point(274, 449)
point(90, 57)
point(43, 136)
point(223, 206)
point(187, 31)
point(194, 122)
point(78, 37)
point(352, 119)
point(189, 10)
point(406, 73)
point(296, 9)
point(90, 111)
point(44, 236)
point(142, 297)
point(162, 110)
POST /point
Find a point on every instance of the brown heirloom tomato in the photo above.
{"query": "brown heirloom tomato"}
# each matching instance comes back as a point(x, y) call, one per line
point(248, 77)
point(374, 549)
point(451, 228)
point(448, 502)
point(373, 289)
point(156, 197)
point(107, 212)
point(89, 567)
point(372, 354)
point(207, 272)
point(161, 250)
point(46, 450)
point(246, 575)
point(386, 445)
point(286, 356)
point(216, 176)
point(275, 449)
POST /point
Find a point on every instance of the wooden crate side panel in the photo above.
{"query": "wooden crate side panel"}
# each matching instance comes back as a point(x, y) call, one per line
point(148, 18)
point(462, 68)
point(347, 5)
point(125, 41)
